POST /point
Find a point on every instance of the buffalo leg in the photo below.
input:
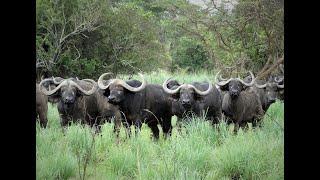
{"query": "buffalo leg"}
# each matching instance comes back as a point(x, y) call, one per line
point(179, 124)
point(256, 123)
point(138, 125)
point(64, 122)
point(257, 120)
point(42, 113)
point(167, 127)
point(217, 117)
point(117, 124)
point(154, 129)
point(43, 119)
point(128, 129)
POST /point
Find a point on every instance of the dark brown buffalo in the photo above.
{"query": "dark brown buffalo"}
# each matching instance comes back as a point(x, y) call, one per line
point(201, 99)
point(41, 107)
point(268, 91)
point(81, 101)
point(139, 102)
point(240, 104)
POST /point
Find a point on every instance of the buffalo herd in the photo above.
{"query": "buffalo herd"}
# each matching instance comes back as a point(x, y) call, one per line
point(134, 102)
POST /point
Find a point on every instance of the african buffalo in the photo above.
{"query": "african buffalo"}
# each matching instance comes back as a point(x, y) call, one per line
point(239, 104)
point(268, 91)
point(41, 106)
point(202, 99)
point(81, 100)
point(139, 102)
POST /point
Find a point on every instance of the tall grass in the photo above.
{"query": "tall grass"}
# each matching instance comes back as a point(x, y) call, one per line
point(200, 151)
point(159, 77)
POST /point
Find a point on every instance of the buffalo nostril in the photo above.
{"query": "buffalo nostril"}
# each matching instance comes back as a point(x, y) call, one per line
point(185, 103)
point(68, 100)
point(111, 98)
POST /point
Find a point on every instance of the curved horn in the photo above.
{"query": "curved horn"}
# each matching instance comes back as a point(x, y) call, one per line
point(280, 86)
point(248, 84)
point(223, 82)
point(278, 80)
point(134, 89)
point(50, 92)
point(88, 93)
point(56, 81)
point(100, 81)
point(220, 77)
point(261, 86)
point(167, 90)
point(202, 93)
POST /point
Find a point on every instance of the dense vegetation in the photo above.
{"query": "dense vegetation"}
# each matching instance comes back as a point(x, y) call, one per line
point(199, 152)
point(85, 38)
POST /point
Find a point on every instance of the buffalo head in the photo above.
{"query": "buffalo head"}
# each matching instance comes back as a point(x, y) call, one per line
point(67, 90)
point(272, 88)
point(116, 89)
point(234, 86)
point(186, 94)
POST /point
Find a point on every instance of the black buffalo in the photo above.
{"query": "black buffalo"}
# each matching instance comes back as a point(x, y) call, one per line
point(139, 102)
point(240, 104)
point(199, 98)
point(81, 101)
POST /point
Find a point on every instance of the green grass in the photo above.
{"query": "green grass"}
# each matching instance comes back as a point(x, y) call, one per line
point(202, 153)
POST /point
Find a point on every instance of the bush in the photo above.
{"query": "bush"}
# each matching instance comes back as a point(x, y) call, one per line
point(190, 54)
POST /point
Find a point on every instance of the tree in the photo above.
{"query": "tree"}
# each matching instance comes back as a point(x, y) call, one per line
point(58, 24)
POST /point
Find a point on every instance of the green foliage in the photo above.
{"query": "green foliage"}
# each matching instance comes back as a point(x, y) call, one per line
point(100, 37)
point(128, 36)
point(190, 54)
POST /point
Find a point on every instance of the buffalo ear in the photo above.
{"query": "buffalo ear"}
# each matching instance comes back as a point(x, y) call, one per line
point(175, 96)
point(199, 97)
point(244, 87)
point(56, 96)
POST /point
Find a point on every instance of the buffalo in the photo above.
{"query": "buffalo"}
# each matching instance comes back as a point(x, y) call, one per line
point(42, 103)
point(41, 106)
point(240, 104)
point(268, 91)
point(81, 100)
point(201, 99)
point(139, 102)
